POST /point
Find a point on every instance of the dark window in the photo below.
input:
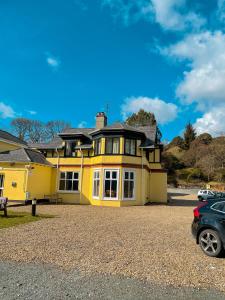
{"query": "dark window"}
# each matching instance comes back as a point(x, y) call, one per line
point(70, 149)
point(112, 145)
point(220, 206)
point(128, 185)
point(111, 184)
point(130, 147)
point(97, 146)
point(69, 181)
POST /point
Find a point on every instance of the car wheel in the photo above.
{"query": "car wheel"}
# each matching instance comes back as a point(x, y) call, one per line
point(210, 243)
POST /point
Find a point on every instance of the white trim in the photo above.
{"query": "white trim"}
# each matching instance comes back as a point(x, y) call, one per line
point(67, 191)
point(93, 180)
point(134, 192)
point(118, 183)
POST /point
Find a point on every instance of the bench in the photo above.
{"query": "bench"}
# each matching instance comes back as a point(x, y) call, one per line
point(3, 205)
point(53, 198)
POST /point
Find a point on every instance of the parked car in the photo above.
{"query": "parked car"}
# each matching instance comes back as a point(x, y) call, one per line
point(208, 226)
point(205, 194)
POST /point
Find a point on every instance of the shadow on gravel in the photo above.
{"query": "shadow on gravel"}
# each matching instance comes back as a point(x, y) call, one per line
point(181, 202)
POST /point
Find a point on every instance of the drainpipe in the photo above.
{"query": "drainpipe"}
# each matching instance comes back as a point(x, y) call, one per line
point(81, 173)
point(57, 172)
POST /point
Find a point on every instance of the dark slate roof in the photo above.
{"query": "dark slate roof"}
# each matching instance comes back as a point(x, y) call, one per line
point(118, 126)
point(11, 138)
point(77, 131)
point(57, 142)
point(24, 155)
point(150, 133)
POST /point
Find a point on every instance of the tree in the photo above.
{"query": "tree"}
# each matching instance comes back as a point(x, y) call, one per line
point(144, 118)
point(21, 127)
point(55, 127)
point(204, 138)
point(177, 141)
point(189, 135)
point(36, 131)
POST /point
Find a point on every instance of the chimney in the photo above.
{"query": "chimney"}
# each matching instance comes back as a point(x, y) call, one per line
point(101, 120)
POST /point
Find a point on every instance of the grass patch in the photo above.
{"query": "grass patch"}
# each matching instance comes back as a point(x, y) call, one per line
point(17, 218)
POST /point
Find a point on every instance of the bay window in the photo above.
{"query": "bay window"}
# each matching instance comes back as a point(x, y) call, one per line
point(128, 185)
point(69, 181)
point(112, 145)
point(96, 183)
point(111, 184)
point(130, 147)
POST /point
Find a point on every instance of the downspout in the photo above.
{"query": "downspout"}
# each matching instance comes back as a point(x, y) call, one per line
point(81, 173)
point(57, 172)
point(26, 183)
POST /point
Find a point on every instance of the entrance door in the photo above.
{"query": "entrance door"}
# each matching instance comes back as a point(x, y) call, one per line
point(1, 184)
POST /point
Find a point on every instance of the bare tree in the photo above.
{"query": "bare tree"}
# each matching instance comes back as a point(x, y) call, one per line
point(21, 127)
point(54, 127)
point(37, 132)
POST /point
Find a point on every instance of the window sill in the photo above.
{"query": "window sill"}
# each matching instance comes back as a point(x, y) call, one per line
point(69, 192)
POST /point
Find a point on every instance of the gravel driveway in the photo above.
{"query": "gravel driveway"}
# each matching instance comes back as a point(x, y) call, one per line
point(151, 243)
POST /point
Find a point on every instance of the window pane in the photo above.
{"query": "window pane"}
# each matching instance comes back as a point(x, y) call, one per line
point(107, 188)
point(131, 175)
point(62, 185)
point(62, 175)
point(99, 147)
point(127, 146)
point(132, 150)
point(114, 174)
point(69, 175)
point(108, 145)
point(107, 174)
point(125, 189)
point(131, 189)
point(1, 181)
point(75, 185)
point(126, 175)
point(75, 175)
point(115, 146)
point(114, 189)
point(69, 185)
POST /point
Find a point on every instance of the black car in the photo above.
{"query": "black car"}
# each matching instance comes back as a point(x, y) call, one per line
point(208, 226)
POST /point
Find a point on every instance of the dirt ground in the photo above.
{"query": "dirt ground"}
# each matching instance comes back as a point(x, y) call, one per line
point(152, 243)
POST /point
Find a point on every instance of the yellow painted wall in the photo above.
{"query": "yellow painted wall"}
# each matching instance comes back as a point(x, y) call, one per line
point(16, 174)
point(39, 181)
point(158, 187)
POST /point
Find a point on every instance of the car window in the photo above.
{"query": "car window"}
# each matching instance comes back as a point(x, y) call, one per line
point(220, 206)
point(204, 192)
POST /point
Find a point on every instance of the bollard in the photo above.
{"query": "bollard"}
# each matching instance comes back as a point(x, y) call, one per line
point(34, 204)
point(5, 210)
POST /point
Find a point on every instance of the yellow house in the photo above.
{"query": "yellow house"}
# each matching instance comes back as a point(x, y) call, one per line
point(116, 165)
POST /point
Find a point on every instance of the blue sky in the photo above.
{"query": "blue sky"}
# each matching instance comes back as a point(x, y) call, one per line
point(69, 59)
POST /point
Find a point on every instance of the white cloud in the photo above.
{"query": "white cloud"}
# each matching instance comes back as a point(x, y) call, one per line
point(204, 83)
point(169, 14)
point(164, 112)
point(6, 111)
point(212, 122)
point(82, 124)
point(52, 61)
point(32, 112)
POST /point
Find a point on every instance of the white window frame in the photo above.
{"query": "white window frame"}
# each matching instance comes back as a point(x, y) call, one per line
point(66, 191)
point(134, 192)
point(93, 181)
point(2, 187)
point(118, 183)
